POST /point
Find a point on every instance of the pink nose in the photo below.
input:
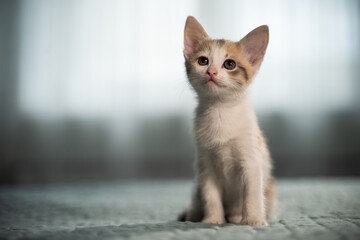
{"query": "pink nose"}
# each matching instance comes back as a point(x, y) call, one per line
point(212, 72)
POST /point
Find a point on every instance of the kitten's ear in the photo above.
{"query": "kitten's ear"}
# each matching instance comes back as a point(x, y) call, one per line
point(193, 34)
point(253, 46)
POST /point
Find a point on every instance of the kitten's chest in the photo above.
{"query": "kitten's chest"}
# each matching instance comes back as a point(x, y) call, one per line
point(218, 125)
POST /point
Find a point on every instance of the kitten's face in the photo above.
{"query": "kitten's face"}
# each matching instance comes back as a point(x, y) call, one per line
point(216, 68)
point(219, 67)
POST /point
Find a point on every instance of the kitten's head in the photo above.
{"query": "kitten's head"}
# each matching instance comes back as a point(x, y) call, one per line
point(222, 68)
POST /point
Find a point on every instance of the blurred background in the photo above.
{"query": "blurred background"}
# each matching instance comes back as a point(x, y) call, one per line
point(96, 90)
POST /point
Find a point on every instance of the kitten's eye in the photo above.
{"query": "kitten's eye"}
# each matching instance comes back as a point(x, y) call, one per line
point(229, 64)
point(203, 61)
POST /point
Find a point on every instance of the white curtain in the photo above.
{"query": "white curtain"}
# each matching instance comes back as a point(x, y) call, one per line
point(103, 59)
point(100, 90)
point(100, 59)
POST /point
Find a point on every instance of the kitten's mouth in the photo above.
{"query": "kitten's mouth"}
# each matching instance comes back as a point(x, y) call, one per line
point(212, 81)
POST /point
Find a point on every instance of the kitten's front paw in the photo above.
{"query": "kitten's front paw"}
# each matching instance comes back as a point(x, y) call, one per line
point(254, 222)
point(236, 219)
point(214, 220)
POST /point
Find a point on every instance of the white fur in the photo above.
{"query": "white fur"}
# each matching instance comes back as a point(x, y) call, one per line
point(232, 166)
point(229, 158)
point(233, 163)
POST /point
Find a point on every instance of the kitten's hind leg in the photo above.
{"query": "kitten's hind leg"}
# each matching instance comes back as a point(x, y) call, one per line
point(234, 212)
point(235, 219)
point(234, 203)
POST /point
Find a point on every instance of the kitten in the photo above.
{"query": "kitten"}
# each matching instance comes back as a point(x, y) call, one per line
point(233, 164)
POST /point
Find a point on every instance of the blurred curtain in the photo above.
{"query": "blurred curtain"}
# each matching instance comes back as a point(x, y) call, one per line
point(99, 88)
point(102, 59)
point(96, 58)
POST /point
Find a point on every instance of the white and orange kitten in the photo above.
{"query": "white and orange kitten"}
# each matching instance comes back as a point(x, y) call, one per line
point(233, 164)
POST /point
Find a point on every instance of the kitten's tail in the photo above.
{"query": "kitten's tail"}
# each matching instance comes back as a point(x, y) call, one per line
point(192, 215)
point(182, 216)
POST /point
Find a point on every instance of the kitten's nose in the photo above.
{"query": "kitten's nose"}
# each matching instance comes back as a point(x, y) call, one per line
point(212, 71)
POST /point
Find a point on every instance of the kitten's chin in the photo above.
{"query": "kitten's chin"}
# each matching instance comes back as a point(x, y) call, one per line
point(211, 90)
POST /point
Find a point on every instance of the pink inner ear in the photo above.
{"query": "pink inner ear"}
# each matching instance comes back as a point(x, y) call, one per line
point(189, 45)
point(191, 40)
point(194, 33)
point(255, 54)
point(254, 44)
